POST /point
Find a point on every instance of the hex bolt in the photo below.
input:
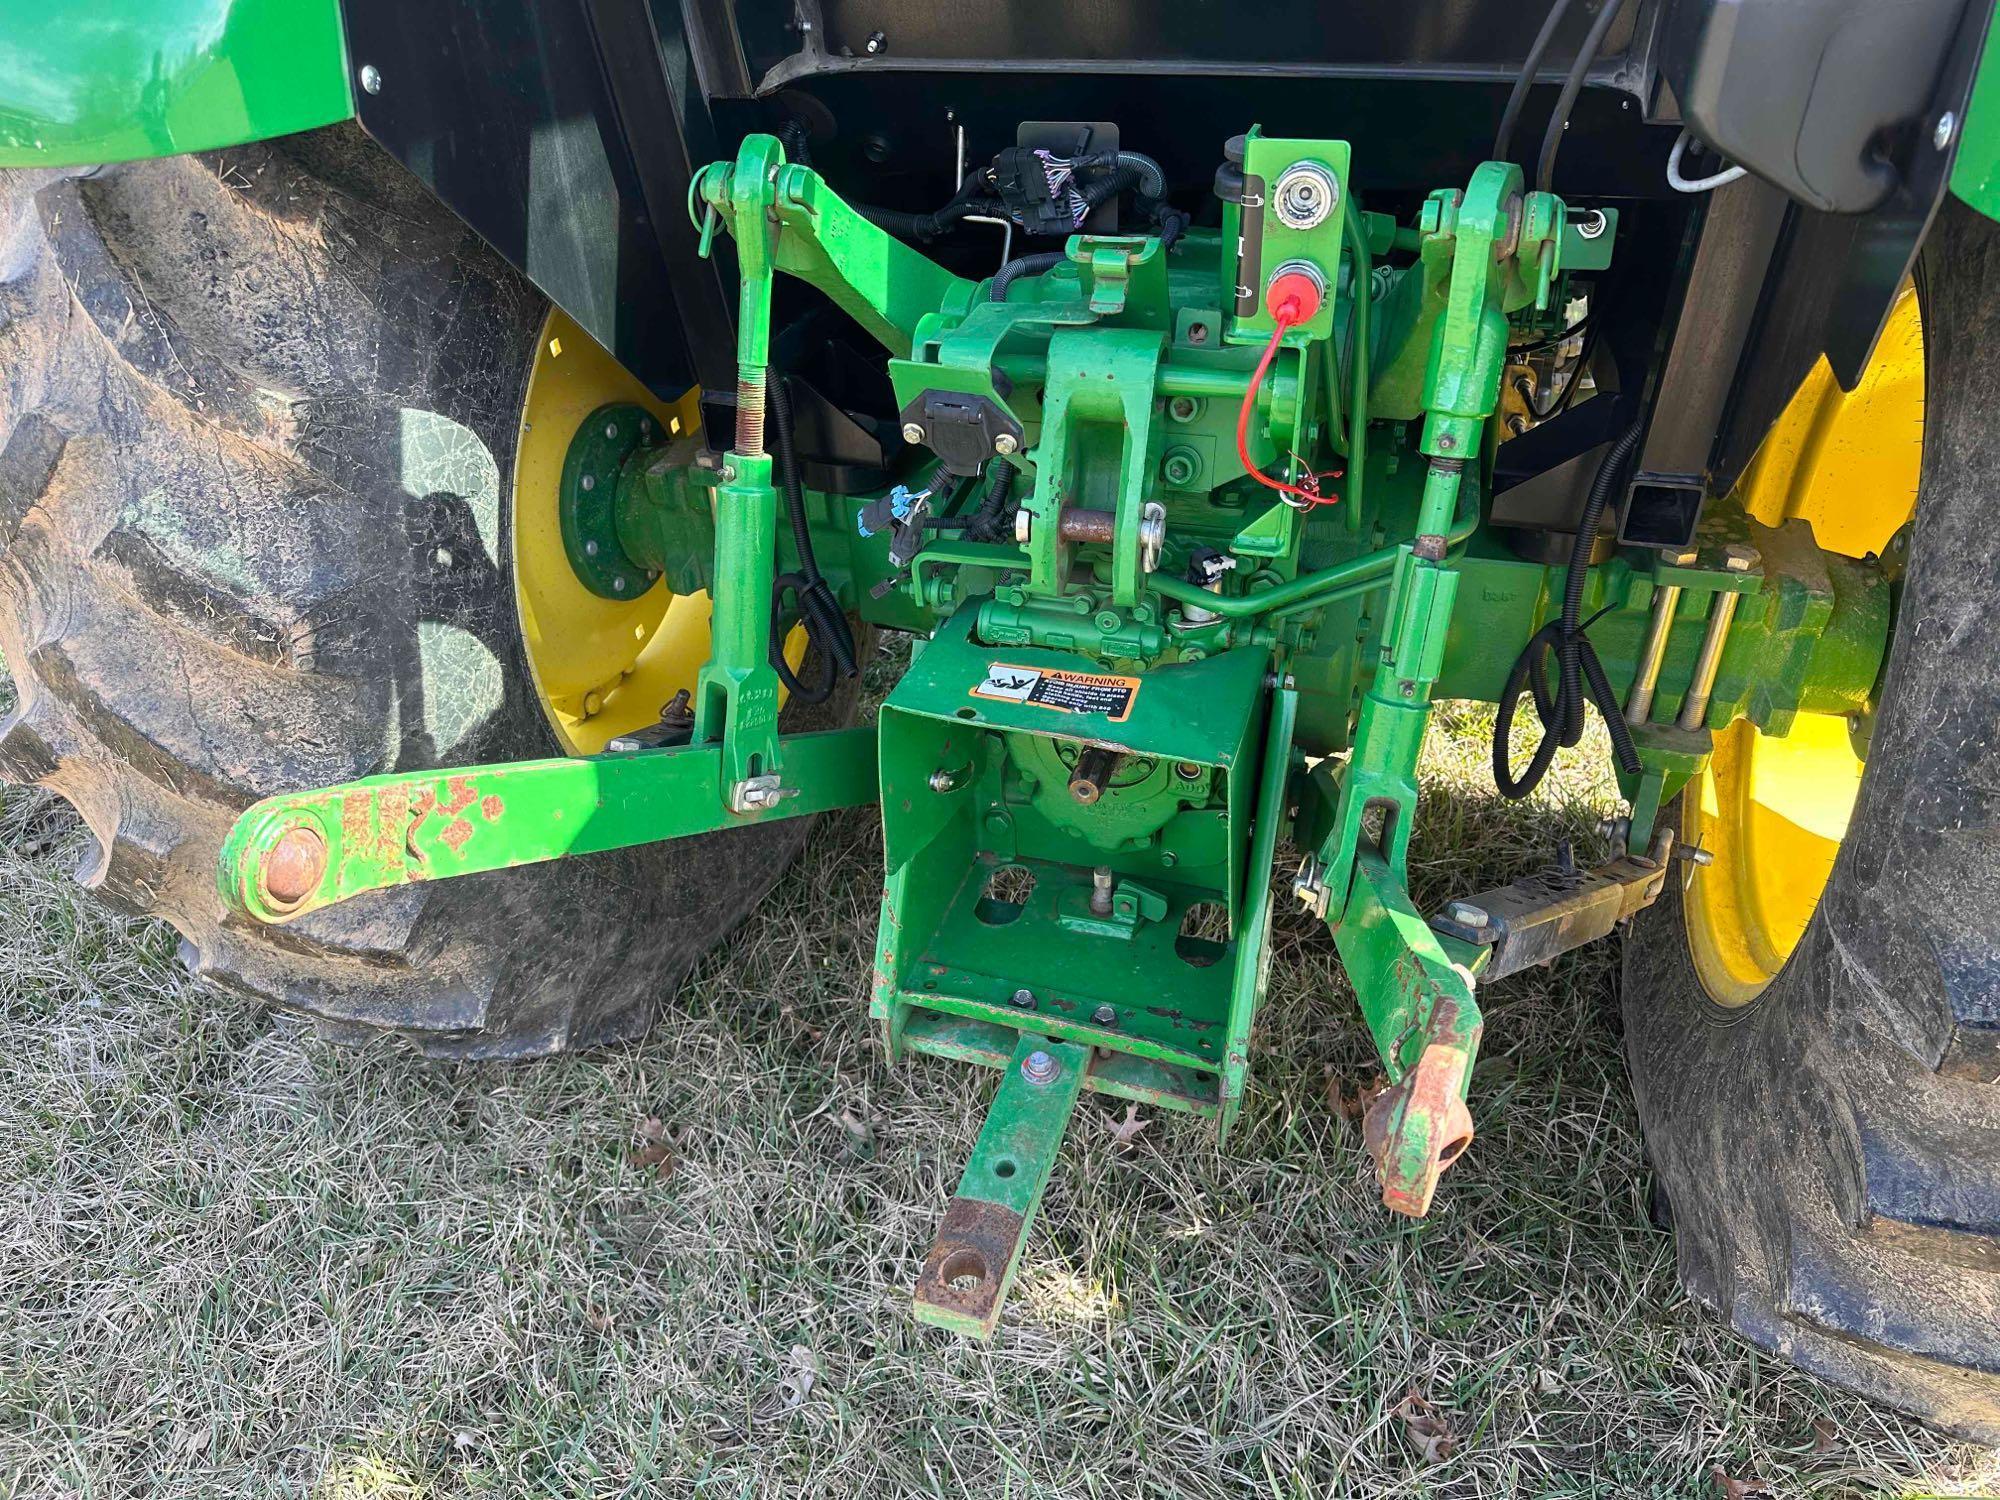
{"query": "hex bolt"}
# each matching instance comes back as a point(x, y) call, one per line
point(1680, 557)
point(1466, 914)
point(1023, 999)
point(876, 42)
point(1591, 225)
point(1738, 557)
point(589, 481)
point(1039, 1067)
point(1104, 1015)
point(1639, 704)
point(590, 547)
point(371, 79)
point(1006, 443)
point(618, 584)
point(1100, 891)
point(913, 432)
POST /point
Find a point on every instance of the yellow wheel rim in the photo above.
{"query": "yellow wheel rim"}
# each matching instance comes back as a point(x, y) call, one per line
point(601, 667)
point(1771, 812)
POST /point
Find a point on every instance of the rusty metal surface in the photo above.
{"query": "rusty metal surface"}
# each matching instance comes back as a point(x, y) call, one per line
point(964, 1278)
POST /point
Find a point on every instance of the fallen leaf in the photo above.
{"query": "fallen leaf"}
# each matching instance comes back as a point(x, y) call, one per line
point(1126, 1130)
point(1426, 1428)
point(798, 1385)
point(801, 1372)
point(860, 1134)
point(599, 1320)
point(1826, 1436)
point(653, 1150)
point(1547, 1381)
point(1732, 1488)
point(1352, 1106)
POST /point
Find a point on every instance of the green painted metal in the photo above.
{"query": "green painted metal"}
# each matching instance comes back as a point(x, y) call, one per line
point(118, 80)
point(1088, 768)
point(588, 505)
point(737, 691)
point(1253, 929)
point(385, 831)
point(1172, 824)
point(1975, 170)
point(1419, 1007)
point(971, 1265)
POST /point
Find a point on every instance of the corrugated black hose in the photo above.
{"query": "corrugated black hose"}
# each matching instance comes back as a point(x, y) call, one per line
point(1577, 666)
point(817, 608)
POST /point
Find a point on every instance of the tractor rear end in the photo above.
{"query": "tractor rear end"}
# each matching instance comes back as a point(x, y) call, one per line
point(1200, 465)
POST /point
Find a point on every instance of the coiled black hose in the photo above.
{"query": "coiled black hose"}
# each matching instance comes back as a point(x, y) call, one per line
point(1577, 666)
point(817, 608)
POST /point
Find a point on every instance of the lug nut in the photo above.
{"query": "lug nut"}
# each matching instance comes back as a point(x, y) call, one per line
point(1039, 1067)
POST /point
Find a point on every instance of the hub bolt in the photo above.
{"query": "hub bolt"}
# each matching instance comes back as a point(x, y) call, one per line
point(1039, 1067)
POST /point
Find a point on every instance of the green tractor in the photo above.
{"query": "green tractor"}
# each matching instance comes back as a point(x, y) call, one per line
point(458, 462)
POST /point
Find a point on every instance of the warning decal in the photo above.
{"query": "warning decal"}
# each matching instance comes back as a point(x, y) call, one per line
point(1066, 692)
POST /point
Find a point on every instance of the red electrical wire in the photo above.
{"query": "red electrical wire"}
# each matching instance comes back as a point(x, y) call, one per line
point(1285, 318)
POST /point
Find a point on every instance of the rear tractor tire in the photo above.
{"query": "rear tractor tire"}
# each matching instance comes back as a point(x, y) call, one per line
point(1813, 1020)
point(261, 413)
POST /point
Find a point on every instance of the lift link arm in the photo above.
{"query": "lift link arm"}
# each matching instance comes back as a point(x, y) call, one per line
point(294, 854)
point(1418, 1003)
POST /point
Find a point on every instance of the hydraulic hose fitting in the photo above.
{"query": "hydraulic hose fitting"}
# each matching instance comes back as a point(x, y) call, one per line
point(1295, 291)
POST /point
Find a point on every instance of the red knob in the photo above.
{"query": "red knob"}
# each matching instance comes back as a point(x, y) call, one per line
point(1292, 296)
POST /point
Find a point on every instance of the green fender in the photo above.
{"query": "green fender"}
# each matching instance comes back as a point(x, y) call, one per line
point(1975, 171)
point(115, 80)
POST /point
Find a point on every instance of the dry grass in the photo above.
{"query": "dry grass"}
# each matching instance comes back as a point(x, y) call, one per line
point(239, 1260)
